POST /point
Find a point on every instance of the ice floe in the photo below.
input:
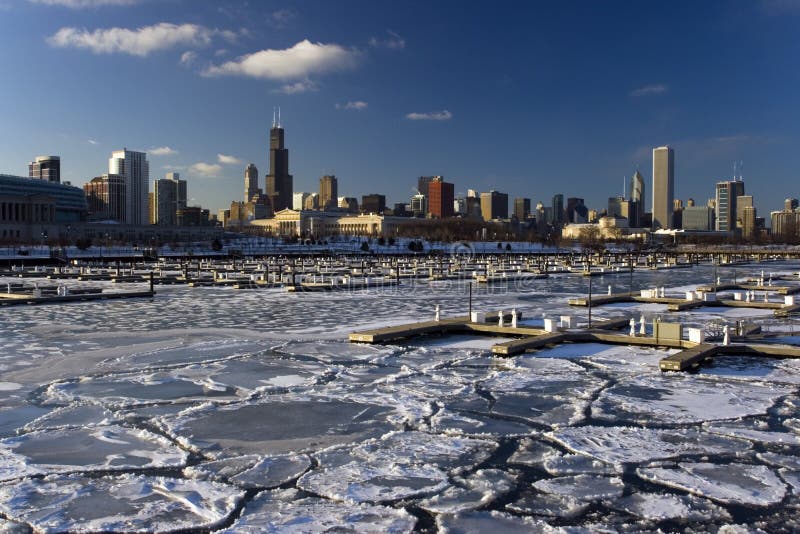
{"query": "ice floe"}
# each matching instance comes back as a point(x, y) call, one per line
point(549, 505)
point(123, 503)
point(583, 487)
point(751, 432)
point(285, 511)
point(754, 485)
point(470, 493)
point(659, 507)
point(253, 472)
point(101, 448)
point(624, 444)
point(477, 522)
point(679, 399)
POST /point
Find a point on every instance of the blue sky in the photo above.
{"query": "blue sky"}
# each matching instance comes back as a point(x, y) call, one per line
point(529, 98)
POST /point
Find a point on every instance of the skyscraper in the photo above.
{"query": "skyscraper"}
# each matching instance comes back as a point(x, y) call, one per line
point(328, 192)
point(105, 198)
point(373, 203)
point(663, 186)
point(558, 210)
point(441, 195)
point(45, 168)
point(250, 182)
point(522, 208)
point(279, 181)
point(494, 205)
point(726, 193)
point(637, 198)
point(169, 197)
point(135, 170)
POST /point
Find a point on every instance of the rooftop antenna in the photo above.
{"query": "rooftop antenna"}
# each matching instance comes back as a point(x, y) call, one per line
point(741, 166)
point(279, 117)
point(624, 185)
point(274, 123)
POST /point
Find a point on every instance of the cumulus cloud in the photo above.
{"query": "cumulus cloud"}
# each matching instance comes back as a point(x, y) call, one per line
point(139, 42)
point(357, 105)
point(647, 90)
point(394, 41)
point(300, 61)
point(209, 170)
point(162, 151)
point(187, 58)
point(92, 142)
point(303, 86)
point(228, 160)
point(443, 115)
point(77, 4)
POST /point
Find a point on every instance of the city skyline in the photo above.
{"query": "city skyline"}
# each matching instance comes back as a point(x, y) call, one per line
point(381, 84)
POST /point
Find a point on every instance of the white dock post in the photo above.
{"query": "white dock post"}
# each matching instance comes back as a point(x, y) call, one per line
point(437, 314)
point(642, 326)
point(609, 289)
point(726, 336)
point(766, 297)
point(500, 321)
point(633, 327)
point(513, 317)
point(662, 292)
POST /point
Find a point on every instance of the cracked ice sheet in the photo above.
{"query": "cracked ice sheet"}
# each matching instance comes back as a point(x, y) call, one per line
point(546, 391)
point(284, 511)
point(124, 503)
point(621, 445)
point(253, 472)
point(754, 485)
point(478, 490)
point(277, 425)
point(657, 507)
point(449, 422)
point(752, 431)
point(582, 487)
point(111, 448)
point(80, 415)
point(334, 352)
point(474, 522)
point(678, 399)
point(548, 504)
point(754, 369)
point(400, 465)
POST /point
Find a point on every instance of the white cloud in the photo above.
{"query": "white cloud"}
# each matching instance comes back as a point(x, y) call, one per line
point(209, 170)
point(281, 17)
point(92, 142)
point(394, 41)
point(647, 90)
point(228, 160)
point(162, 151)
point(357, 105)
point(303, 86)
point(443, 115)
point(299, 61)
point(187, 58)
point(139, 42)
point(77, 4)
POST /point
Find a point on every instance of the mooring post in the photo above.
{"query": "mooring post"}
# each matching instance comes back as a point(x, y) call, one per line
point(151, 281)
point(590, 299)
point(470, 300)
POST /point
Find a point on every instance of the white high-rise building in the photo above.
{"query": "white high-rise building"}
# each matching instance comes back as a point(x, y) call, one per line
point(135, 170)
point(299, 201)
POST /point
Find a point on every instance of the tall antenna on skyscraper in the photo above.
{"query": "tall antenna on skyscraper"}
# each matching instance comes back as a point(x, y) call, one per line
point(279, 117)
point(624, 185)
point(741, 166)
point(273, 118)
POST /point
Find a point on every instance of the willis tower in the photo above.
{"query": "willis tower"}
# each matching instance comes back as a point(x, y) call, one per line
point(279, 181)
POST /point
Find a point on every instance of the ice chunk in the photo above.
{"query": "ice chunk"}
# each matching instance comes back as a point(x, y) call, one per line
point(792, 478)
point(657, 507)
point(780, 460)
point(531, 452)
point(447, 452)
point(619, 444)
point(283, 511)
point(752, 432)
point(127, 503)
point(81, 415)
point(549, 504)
point(474, 522)
point(754, 485)
point(253, 472)
point(279, 426)
point(376, 481)
point(751, 369)
point(337, 351)
point(104, 448)
point(475, 491)
point(678, 399)
point(573, 464)
point(583, 487)
point(477, 425)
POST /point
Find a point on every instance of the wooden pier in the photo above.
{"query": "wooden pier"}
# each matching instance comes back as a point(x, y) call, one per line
point(15, 299)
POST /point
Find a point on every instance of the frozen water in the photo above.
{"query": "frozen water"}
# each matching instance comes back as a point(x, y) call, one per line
point(475, 522)
point(751, 368)
point(285, 511)
point(658, 507)
point(618, 444)
point(549, 505)
point(101, 448)
point(531, 452)
point(677, 399)
point(753, 433)
point(754, 485)
point(126, 503)
point(573, 464)
point(253, 472)
point(77, 415)
point(792, 478)
point(583, 487)
point(477, 425)
point(780, 460)
point(470, 493)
